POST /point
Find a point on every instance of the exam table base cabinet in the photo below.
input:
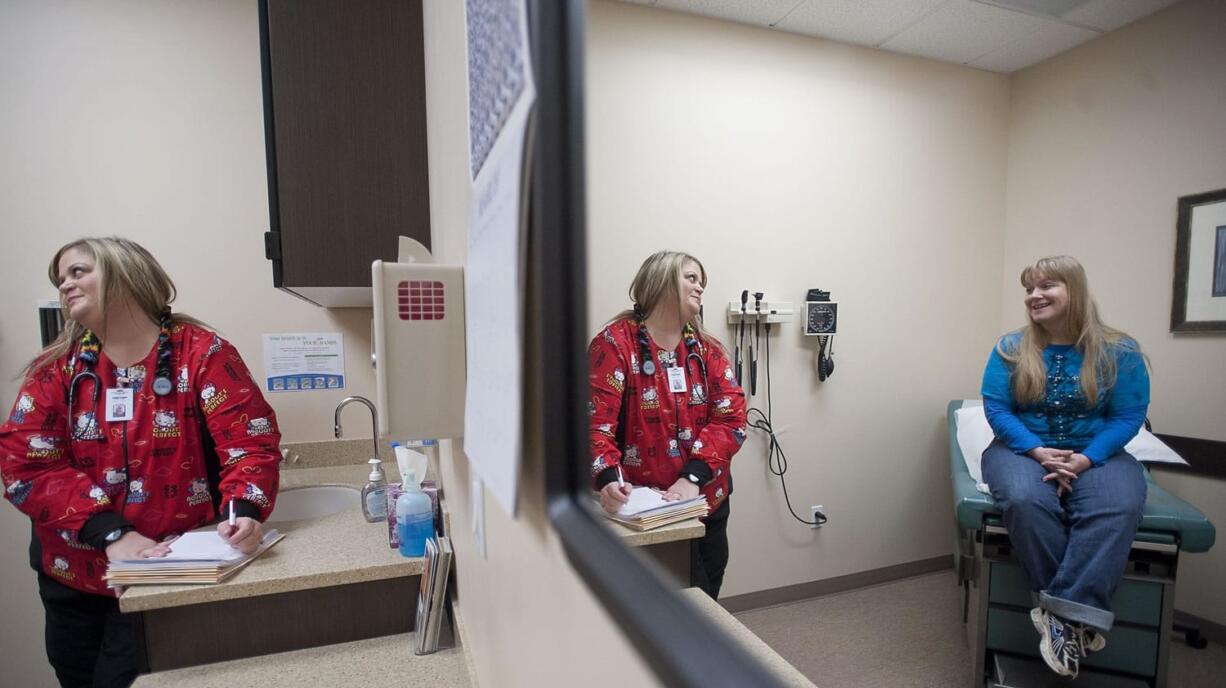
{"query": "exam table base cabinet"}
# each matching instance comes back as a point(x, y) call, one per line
point(999, 601)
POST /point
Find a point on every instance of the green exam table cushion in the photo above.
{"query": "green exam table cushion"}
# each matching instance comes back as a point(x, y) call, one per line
point(1166, 518)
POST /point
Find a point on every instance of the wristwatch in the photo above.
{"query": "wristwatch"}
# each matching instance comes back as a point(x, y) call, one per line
point(694, 479)
point(114, 535)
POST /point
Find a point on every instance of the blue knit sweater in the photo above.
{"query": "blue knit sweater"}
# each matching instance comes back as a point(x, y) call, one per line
point(1064, 419)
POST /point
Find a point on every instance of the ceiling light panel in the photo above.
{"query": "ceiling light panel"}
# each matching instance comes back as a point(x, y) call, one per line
point(864, 22)
point(962, 31)
point(1050, 8)
point(756, 12)
point(1035, 48)
point(1109, 15)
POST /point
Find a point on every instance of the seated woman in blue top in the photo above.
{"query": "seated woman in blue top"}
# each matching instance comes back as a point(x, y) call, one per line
point(1063, 396)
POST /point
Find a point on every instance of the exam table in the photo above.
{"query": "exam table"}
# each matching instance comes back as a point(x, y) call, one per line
point(997, 597)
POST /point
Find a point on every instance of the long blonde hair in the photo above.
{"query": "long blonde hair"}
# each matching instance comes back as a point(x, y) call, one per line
point(1096, 341)
point(123, 267)
point(658, 278)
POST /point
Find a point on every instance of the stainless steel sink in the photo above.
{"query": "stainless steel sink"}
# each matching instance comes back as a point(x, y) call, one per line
point(302, 503)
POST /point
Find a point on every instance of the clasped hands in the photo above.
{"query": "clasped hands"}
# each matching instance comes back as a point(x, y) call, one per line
point(245, 536)
point(1065, 465)
point(614, 495)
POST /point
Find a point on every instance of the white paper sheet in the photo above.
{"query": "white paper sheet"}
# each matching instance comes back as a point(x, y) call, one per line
point(501, 93)
point(197, 546)
point(645, 500)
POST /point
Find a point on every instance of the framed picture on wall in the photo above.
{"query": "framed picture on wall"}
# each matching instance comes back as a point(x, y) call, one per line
point(1200, 264)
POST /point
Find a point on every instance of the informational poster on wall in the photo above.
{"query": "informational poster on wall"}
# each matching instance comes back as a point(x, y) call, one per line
point(304, 361)
point(500, 97)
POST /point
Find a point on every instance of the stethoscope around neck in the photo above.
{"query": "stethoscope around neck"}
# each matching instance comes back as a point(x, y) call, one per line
point(693, 353)
point(161, 387)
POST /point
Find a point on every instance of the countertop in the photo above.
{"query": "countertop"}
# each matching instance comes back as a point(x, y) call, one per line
point(335, 550)
point(370, 662)
point(754, 646)
point(685, 530)
point(366, 662)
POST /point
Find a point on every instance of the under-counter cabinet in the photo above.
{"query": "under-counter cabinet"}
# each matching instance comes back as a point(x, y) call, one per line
point(345, 138)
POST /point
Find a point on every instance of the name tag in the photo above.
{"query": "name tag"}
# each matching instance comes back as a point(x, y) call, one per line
point(676, 380)
point(118, 404)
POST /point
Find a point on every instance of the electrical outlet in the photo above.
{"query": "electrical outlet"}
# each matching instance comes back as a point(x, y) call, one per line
point(817, 514)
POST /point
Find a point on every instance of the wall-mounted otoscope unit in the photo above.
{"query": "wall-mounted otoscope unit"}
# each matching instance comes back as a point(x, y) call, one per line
point(764, 313)
point(758, 311)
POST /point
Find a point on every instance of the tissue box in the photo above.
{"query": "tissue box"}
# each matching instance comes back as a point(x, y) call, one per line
point(393, 493)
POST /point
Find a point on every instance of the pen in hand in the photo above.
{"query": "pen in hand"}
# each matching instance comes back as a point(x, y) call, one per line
point(613, 497)
point(233, 520)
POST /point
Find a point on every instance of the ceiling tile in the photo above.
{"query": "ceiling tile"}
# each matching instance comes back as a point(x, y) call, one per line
point(962, 31)
point(1108, 15)
point(866, 22)
point(1050, 40)
point(756, 12)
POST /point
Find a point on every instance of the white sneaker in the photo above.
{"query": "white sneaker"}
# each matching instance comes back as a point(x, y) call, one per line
point(1059, 642)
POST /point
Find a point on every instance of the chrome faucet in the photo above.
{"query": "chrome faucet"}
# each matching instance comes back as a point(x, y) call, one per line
point(374, 420)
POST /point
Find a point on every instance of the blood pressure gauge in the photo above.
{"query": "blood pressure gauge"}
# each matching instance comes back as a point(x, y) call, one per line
point(821, 314)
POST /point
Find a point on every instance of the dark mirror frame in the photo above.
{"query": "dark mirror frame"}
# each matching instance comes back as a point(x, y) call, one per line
point(1183, 257)
point(681, 646)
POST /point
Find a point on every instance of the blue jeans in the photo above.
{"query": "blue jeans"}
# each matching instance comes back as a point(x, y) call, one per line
point(1074, 548)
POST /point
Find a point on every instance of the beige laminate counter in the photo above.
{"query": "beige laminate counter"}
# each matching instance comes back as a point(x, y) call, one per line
point(366, 662)
point(754, 646)
point(334, 550)
point(685, 530)
point(371, 662)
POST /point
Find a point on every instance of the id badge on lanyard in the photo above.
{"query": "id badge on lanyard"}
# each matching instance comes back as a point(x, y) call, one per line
point(676, 380)
point(118, 404)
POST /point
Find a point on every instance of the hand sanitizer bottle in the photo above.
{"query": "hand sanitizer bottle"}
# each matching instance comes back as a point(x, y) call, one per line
point(414, 517)
point(374, 495)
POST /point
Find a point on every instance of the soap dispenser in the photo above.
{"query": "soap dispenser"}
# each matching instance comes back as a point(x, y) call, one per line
point(414, 517)
point(374, 495)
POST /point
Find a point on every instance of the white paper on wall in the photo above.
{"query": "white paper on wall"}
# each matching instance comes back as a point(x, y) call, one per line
point(501, 93)
point(295, 362)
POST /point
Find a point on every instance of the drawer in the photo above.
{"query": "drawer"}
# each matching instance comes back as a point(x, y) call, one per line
point(1129, 649)
point(1135, 601)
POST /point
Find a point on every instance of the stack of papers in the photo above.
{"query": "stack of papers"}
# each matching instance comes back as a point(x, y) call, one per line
point(196, 557)
point(647, 509)
point(432, 596)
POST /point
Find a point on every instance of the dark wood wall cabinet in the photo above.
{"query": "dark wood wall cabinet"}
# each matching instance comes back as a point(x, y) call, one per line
point(345, 137)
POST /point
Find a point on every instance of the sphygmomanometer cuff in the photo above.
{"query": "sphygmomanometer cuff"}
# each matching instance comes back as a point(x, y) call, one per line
point(101, 524)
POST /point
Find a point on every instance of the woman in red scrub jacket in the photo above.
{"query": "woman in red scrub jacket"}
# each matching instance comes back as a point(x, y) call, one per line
point(135, 425)
point(666, 410)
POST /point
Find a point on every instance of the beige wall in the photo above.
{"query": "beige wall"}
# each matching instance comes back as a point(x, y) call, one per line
point(531, 620)
point(786, 163)
point(143, 119)
point(1102, 141)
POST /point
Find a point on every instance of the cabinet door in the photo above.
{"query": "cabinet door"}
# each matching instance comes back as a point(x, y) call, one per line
point(345, 130)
